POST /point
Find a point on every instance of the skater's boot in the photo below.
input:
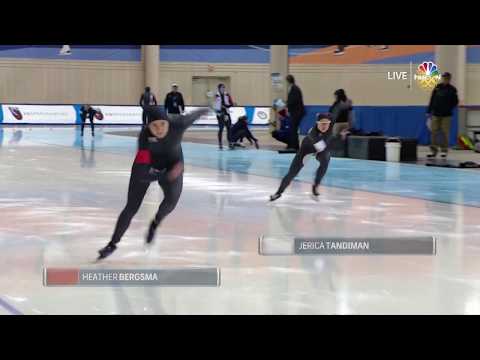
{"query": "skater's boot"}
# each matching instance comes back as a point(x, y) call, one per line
point(106, 251)
point(315, 190)
point(151, 232)
point(275, 196)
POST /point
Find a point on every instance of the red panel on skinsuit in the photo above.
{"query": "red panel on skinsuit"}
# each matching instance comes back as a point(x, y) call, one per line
point(143, 157)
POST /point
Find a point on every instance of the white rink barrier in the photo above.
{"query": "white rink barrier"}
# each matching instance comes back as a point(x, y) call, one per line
point(112, 115)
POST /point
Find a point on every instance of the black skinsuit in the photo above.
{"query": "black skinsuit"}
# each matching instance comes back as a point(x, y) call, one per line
point(90, 113)
point(307, 147)
point(155, 158)
point(240, 130)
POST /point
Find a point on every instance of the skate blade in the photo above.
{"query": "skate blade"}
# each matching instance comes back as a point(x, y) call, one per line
point(97, 260)
point(100, 258)
point(147, 248)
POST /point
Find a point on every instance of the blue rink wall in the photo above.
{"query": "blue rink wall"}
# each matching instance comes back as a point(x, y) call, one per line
point(401, 121)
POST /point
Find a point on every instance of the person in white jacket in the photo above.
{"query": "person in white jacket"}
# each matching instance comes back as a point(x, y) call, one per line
point(223, 102)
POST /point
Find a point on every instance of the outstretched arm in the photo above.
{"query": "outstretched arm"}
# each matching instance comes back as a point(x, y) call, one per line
point(189, 119)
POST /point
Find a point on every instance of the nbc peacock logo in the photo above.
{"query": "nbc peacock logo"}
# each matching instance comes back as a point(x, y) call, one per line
point(427, 75)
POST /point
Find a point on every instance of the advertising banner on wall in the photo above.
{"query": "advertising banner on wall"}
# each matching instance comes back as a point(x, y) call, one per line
point(38, 114)
point(261, 116)
point(118, 114)
point(113, 115)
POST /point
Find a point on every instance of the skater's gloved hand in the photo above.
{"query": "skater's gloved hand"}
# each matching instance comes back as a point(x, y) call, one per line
point(175, 172)
point(320, 146)
point(149, 174)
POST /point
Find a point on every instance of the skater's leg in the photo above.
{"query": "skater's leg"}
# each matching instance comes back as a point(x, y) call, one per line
point(324, 159)
point(251, 138)
point(92, 126)
point(221, 124)
point(136, 192)
point(293, 142)
point(171, 191)
point(229, 129)
point(237, 135)
point(83, 125)
point(247, 134)
point(295, 167)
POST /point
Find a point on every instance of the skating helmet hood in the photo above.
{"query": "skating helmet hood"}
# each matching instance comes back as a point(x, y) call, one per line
point(324, 117)
point(155, 113)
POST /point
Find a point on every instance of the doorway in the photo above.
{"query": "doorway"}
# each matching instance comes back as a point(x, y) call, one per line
point(202, 85)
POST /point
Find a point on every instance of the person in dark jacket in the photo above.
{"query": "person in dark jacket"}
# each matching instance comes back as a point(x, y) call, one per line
point(341, 111)
point(443, 101)
point(317, 142)
point(296, 110)
point(174, 103)
point(147, 99)
point(87, 111)
point(240, 130)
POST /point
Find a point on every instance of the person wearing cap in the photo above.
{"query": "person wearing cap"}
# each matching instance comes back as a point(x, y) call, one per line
point(174, 104)
point(282, 129)
point(341, 111)
point(159, 158)
point(443, 101)
point(315, 143)
point(147, 99)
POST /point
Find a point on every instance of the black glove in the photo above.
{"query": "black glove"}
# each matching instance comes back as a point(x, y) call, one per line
point(156, 175)
point(148, 174)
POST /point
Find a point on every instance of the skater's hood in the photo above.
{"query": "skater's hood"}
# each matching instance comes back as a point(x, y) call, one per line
point(324, 117)
point(155, 113)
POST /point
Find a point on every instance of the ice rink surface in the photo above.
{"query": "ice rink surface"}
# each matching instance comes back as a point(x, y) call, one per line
point(60, 197)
